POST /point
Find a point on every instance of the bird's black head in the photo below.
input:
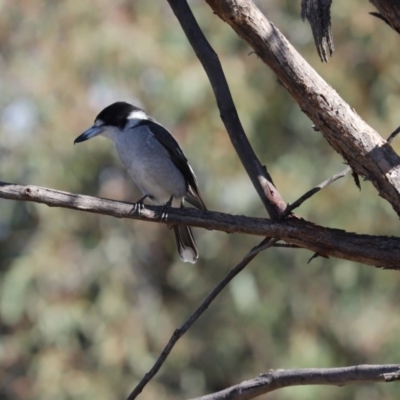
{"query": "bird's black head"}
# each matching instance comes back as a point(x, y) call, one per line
point(117, 114)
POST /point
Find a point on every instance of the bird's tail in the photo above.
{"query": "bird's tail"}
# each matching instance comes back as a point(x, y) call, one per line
point(185, 243)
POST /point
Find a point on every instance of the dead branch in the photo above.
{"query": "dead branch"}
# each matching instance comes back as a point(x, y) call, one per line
point(265, 244)
point(388, 11)
point(258, 174)
point(363, 148)
point(318, 14)
point(379, 251)
point(277, 379)
point(316, 189)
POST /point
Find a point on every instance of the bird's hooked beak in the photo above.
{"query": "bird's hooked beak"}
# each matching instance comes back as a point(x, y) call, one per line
point(89, 133)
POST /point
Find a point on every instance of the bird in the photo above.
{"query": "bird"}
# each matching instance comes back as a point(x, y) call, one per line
point(155, 162)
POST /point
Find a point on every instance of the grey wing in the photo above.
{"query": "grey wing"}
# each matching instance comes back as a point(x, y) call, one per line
point(179, 159)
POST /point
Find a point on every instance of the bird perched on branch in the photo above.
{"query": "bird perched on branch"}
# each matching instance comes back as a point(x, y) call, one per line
point(154, 161)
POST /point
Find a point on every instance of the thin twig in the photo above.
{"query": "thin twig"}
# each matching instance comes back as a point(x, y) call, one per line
point(265, 244)
point(277, 379)
point(314, 190)
point(327, 182)
point(393, 135)
point(258, 174)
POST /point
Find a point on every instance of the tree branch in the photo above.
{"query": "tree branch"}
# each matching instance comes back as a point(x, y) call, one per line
point(393, 135)
point(316, 189)
point(277, 379)
point(364, 150)
point(389, 11)
point(265, 244)
point(328, 181)
point(379, 251)
point(318, 14)
point(260, 178)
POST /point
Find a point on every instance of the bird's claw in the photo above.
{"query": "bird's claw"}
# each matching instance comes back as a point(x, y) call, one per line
point(164, 212)
point(139, 206)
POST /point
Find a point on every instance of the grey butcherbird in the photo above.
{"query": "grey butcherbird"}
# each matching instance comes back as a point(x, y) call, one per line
point(154, 161)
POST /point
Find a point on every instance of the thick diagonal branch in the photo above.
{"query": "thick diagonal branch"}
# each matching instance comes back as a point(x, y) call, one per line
point(379, 251)
point(363, 149)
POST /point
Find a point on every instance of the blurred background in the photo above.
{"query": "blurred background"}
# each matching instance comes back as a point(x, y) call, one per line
point(87, 302)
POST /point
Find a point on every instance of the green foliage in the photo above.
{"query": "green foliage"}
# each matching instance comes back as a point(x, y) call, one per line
point(87, 302)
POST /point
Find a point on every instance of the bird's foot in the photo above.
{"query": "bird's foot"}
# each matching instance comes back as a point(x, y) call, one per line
point(164, 213)
point(139, 206)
